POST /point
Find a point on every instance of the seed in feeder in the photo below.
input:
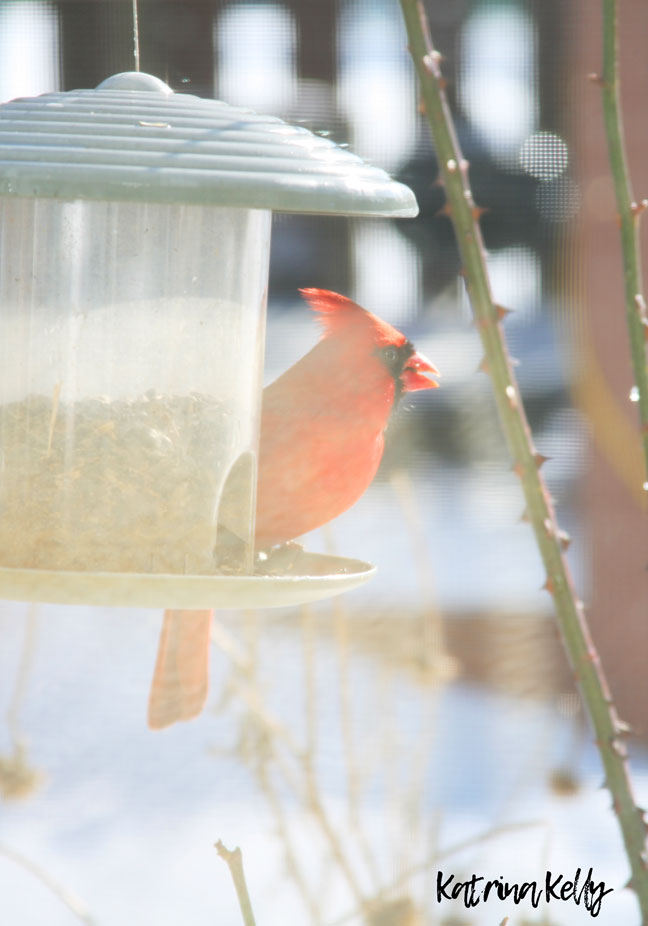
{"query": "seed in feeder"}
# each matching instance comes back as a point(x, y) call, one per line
point(114, 485)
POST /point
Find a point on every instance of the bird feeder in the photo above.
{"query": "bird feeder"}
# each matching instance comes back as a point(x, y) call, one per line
point(134, 247)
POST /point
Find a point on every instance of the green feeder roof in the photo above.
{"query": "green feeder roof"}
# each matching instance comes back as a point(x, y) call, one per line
point(134, 139)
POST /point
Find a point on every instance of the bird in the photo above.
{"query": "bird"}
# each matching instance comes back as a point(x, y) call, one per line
point(321, 442)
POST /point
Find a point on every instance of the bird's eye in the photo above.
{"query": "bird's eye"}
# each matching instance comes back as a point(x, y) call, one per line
point(394, 358)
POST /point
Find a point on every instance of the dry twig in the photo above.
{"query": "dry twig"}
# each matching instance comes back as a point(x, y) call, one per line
point(71, 901)
point(234, 859)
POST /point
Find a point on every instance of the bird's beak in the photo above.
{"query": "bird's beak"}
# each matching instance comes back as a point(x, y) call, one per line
point(412, 376)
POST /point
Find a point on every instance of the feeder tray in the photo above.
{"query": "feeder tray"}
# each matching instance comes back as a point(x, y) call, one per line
point(135, 228)
point(316, 576)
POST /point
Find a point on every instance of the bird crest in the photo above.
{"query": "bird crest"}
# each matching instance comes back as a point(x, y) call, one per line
point(337, 313)
point(333, 308)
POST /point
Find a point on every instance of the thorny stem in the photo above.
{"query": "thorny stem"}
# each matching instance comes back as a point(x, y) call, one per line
point(629, 214)
point(569, 610)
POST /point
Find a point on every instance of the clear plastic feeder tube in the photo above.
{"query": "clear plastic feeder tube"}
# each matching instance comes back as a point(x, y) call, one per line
point(131, 356)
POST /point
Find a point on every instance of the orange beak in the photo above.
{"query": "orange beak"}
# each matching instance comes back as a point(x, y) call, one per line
point(412, 376)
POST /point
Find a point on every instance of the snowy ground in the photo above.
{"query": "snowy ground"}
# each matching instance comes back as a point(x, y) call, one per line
point(126, 819)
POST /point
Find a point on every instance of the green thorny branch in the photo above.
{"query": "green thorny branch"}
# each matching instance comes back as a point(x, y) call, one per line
point(629, 212)
point(551, 540)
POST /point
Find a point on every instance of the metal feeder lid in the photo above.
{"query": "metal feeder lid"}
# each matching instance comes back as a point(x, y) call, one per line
point(133, 138)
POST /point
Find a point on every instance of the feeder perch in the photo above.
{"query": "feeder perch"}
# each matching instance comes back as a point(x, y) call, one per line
point(134, 246)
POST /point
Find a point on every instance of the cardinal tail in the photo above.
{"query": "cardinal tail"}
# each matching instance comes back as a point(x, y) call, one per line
point(181, 676)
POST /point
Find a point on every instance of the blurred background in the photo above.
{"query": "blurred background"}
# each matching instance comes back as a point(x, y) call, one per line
point(428, 720)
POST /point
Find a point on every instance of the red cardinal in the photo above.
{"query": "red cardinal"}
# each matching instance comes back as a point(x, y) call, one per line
point(322, 439)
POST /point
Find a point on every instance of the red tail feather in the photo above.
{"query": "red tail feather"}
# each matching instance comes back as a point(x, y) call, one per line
point(181, 676)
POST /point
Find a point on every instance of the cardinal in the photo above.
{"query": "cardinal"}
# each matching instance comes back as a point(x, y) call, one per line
point(322, 439)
